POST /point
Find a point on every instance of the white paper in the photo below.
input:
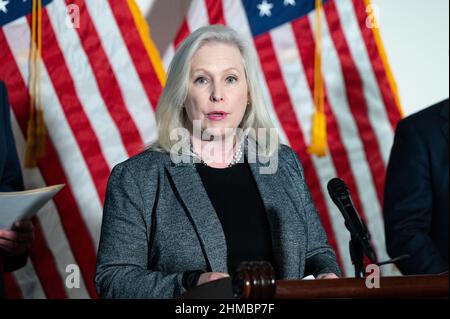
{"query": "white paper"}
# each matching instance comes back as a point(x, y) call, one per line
point(310, 277)
point(16, 206)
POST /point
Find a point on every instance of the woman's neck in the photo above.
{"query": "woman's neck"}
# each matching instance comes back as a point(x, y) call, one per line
point(217, 153)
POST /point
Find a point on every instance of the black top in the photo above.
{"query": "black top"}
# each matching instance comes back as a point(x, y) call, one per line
point(235, 197)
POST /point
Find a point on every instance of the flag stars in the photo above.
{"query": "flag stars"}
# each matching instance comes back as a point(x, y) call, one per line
point(264, 8)
point(3, 4)
point(289, 3)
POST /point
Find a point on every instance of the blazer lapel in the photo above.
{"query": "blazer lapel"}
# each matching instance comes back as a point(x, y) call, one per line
point(209, 229)
point(287, 252)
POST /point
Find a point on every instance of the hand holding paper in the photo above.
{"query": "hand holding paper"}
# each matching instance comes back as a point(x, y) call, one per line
point(18, 240)
point(15, 206)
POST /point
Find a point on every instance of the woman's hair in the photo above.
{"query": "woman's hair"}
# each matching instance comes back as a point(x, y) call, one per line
point(170, 112)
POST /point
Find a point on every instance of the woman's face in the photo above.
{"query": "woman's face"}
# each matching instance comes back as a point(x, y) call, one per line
point(217, 91)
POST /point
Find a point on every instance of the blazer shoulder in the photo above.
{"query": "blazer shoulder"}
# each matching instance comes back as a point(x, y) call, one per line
point(285, 151)
point(145, 162)
point(287, 157)
point(426, 118)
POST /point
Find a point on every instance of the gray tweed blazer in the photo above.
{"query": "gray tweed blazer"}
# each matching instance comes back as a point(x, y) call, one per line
point(159, 222)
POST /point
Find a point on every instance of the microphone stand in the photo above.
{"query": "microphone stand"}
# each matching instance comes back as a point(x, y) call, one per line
point(357, 256)
point(360, 246)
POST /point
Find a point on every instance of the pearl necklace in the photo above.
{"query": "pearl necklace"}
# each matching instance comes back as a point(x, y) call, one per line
point(236, 158)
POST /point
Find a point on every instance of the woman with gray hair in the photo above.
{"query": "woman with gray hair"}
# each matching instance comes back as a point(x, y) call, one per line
point(216, 188)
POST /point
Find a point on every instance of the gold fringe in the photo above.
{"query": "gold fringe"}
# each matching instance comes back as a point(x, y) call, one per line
point(40, 124)
point(30, 158)
point(35, 147)
point(319, 139)
point(146, 39)
point(318, 145)
point(40, 134)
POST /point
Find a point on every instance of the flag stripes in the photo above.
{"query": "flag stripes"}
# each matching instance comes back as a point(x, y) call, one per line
point(98, 99)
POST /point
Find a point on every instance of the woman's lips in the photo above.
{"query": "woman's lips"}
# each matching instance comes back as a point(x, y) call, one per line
point(216, 115)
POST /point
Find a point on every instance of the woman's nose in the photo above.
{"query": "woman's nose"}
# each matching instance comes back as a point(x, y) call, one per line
point(216, 94)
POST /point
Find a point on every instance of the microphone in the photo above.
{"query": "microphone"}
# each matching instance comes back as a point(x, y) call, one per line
point(360, 235)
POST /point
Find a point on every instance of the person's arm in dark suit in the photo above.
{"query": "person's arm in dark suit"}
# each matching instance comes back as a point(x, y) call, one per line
point(11, 174)
point(11, 263)
point(408, 204)
point(10, 171)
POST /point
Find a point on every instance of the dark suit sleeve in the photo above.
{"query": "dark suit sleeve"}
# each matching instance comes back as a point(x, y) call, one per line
point(11, 176)
point(11, 263)
point(122, 259)
point(320, 257)
point(408, 204)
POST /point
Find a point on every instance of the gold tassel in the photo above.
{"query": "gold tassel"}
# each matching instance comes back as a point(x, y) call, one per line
point(30, 158)
point(319, 138)
point(40, 124)
point(35, 146)
point(40, 134)
point(318, 145)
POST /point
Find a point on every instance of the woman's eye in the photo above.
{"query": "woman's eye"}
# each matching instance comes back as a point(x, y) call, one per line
point(232, 79)
point(201, 80)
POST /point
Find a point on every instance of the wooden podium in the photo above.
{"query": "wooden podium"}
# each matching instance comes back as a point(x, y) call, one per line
point(257, 280)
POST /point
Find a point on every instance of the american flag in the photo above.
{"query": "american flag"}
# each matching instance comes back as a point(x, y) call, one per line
point(361, 103)
point(99, 90)
point(100, 84)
